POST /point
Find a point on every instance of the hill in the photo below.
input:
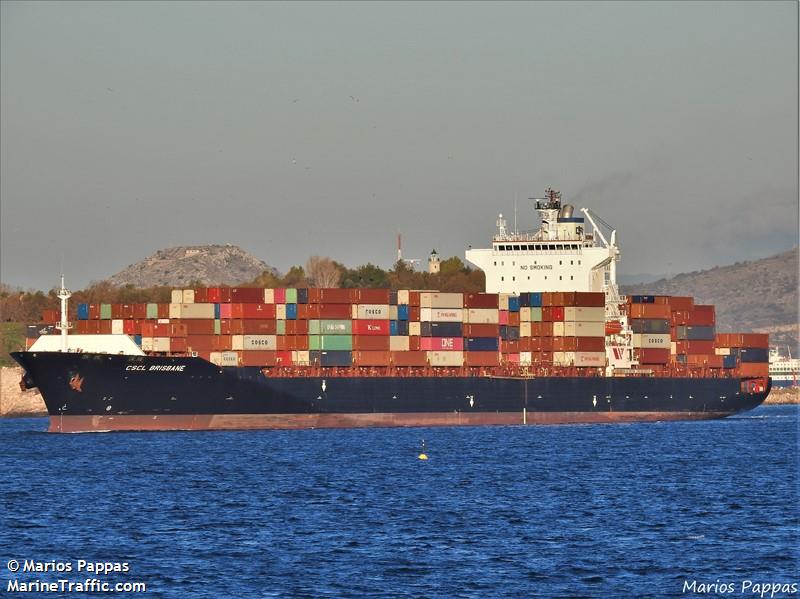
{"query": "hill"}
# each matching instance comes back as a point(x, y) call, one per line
point(750, 296)
point(203, 264)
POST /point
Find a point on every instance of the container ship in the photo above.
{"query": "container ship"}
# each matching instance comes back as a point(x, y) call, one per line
point(550, 340)
point(783, 370)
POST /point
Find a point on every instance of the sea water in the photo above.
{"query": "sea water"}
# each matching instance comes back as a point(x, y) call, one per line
point(612, 510)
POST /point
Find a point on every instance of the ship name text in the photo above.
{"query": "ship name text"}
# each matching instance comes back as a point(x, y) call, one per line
point(159, 367)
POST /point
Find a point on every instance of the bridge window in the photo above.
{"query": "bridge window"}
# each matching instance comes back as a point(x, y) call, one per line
point(502, 278)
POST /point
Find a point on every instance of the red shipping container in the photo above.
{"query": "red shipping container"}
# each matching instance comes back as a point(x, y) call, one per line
point(302, 312)
point(678, 303)
point(178, 345)
point(256, 310)
point(590, 344)
point(116, 311)
point(213, 295)
point(140, 311)
point(548, 299)
point(129, 327)
point(481, 330)
point(709, 360)
point(178, 330)
point(223, 343)
point(414, 343)
point(590, 299)
point(301, 342)
point(513, 319)
point(283, 358)
point(50, 316)
point(481, 358)
point(371, 296)
point(702, 316)
point(280, 343)
point(525, 344)
point(247, 295)
point(442, 343)
point(279, 296)
point(568, 298)
point(413, 300)
point(128, 310)
point(259, 357)
point(199, 326)
point(759, 340)
point(481, 300)
point(334, 311)
point(657, 311)
point(162, 329)
point(300, 326)
point(335, 296)
point(503, 317)
point(236, 327)
point(371, 358)
point(259, 327)
point(148, 329)
point(747, 369)
point(370, 327)
point(512, 358)
point(414, 312)
point(547, 357)
point(564, 343)
point(371, 343)
point(224, 295)
point(680, 318)
point(201, 296)
point(163, 310)
point(94, 311)
point(553, 314)
point(546, 329)
point(202, 342)
point(546, 343)
point(82, 327)
point(409, 358)
point(105, 327)
point(653, 355)
point(508, 347)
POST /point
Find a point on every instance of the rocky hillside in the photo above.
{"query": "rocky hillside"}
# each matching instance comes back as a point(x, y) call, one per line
point(750, 296)
point(206, 264)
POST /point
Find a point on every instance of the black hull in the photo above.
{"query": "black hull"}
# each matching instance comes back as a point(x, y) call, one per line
point(93, 392)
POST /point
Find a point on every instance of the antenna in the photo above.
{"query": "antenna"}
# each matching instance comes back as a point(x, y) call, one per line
point(399, 247)
point(64, 294)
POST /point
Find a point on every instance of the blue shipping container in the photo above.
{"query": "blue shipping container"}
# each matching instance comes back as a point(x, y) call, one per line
point(643, 299)
point(509, 333)
point(441, 329)
point(216, 311)
point(83, 311)
point(393, 328)
point(331, 358)
point(138, 340)
point(402, 327)
point(402, 312)
point(302, 296)
point(753, 354)
point(481, 344)
point(513, 304)
point(291, 311)
point(536, 299)
point(729, 361)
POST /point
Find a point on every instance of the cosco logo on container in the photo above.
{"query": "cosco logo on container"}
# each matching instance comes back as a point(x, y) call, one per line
point(260, 342)
point(374, 311)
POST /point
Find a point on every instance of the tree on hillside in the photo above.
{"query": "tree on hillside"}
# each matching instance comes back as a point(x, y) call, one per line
point(266, 279)
point(323, 272)
point(367, 275)
point(296, 277)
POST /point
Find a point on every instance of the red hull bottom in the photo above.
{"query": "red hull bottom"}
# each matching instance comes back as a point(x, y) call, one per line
point(191, 422)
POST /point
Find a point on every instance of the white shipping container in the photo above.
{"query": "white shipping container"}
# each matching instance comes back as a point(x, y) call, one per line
point(301, 357)
point(722, 351)
point(563, 358)
point(648, 340)
point(188, 296)
point(372, 311)
point(196, 311)
point(524, 329)
point(414, 329)
point(590, 358)
point(584, 329)
point(393, 313)
point(269, 296)
point(268, 342)
point(147, 344)
point(482, 316)
point(558, 329)
point(117, 327)
point(581, 314)
point(502, 299)
point(177, 296)
point(402, 296)
point(237, 342)
point(225, 358)
point(398, 343)
point(280, 312)
point(446, 358)
point(441, 315)
point(673, 348)
point(525, 358)
point(161, 344)
point(524, 315)
point(429, 299)
point(175, 311)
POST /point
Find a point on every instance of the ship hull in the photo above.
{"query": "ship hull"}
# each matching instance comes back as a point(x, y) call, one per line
point(99, 392)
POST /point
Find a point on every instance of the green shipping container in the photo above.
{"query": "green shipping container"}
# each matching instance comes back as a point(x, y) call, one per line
point(335, 327)
point(152, 311)
point(331, 342)
point(217, 328)
point(105, 311)
point(291, 296)
point(536, 315)
point(281, 327)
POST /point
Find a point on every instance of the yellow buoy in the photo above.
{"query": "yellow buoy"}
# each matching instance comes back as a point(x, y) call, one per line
point(423, 455)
